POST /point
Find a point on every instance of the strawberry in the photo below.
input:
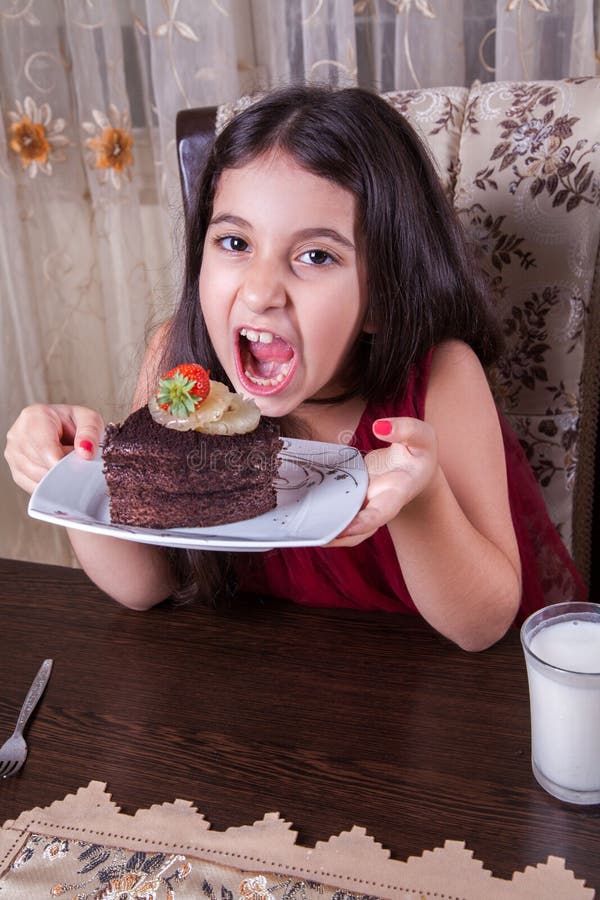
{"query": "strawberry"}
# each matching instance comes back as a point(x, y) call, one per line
point(182, 389)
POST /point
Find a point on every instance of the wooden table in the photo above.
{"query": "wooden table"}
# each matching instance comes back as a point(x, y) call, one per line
point(332, 718)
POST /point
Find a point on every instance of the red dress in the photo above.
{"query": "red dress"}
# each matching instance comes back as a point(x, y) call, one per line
point(368, 576)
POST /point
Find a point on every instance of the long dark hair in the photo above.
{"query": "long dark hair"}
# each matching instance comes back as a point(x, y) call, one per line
point(422, 284)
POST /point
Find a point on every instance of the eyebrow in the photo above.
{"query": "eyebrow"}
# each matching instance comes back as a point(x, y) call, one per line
point(332, 233)
point(230, 219)
point(304, 234)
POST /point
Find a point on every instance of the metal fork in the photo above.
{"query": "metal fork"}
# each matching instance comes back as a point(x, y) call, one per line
point(14, 751)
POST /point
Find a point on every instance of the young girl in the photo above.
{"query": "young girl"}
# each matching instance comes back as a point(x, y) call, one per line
point(327, 277)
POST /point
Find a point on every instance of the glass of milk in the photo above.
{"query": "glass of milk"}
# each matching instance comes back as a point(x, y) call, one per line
point(562, 651)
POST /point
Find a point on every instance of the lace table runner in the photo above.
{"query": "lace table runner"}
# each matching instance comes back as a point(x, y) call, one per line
point(169, 852)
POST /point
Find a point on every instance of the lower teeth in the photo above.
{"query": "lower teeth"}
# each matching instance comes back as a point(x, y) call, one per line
point(268, 382)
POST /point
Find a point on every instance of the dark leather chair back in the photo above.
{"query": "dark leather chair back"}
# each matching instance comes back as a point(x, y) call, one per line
point(195, 130)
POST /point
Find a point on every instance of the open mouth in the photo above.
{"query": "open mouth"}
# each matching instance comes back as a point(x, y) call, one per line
point(265, 362)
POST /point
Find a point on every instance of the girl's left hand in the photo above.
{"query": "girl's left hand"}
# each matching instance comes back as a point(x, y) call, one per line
point(397, 475)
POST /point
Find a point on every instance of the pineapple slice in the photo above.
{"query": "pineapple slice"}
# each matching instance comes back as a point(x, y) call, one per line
point(241, 416)
point(221, 412)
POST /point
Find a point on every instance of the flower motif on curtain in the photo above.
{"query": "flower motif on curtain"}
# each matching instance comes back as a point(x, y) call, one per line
point(422, 6)
point(168, 30)
point(401, 6)
point(538, 5)
point(36, 137)
point(110, 145)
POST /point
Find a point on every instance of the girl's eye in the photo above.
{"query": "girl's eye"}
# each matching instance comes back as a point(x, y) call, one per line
point(235, 244)
point(317, 258)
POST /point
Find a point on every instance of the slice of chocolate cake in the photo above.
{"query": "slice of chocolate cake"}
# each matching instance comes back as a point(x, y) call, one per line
point(162, 476)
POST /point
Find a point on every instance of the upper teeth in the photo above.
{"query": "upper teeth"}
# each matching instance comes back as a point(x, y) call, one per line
point(265, 337)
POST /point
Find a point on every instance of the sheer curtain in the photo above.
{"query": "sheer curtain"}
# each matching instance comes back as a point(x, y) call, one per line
point(90, 216)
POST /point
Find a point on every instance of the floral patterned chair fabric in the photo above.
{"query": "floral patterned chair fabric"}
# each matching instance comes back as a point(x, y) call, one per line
point(521, 162)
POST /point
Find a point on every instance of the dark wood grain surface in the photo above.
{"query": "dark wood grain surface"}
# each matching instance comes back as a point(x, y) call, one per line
point(333, 718)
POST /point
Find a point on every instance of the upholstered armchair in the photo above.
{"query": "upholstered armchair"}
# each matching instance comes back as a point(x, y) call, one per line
point(521, 162)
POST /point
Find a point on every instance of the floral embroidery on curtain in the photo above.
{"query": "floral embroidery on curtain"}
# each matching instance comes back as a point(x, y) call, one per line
point(111, 145)
point(36, 137)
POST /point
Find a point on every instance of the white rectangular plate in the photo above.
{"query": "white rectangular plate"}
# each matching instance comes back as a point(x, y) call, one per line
point(320, 488)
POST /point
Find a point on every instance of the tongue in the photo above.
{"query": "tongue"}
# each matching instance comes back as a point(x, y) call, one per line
point(267, 359)
point(277, 351)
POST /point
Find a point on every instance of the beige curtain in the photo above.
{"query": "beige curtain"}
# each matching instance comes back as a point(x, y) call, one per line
point(90, 218)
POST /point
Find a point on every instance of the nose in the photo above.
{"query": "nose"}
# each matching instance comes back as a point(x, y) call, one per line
point(262, 286)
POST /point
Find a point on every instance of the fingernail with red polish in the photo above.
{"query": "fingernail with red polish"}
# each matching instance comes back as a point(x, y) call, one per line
point(382, 426)
point(86, 445)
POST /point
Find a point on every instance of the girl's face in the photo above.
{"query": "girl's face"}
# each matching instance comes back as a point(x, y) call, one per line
point(281, 285)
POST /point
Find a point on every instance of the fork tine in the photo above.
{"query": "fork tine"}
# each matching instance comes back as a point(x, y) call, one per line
point(4, 766)
point(10, 767)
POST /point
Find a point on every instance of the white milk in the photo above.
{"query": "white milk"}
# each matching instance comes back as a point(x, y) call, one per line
point(565, 707)
point(573, 644)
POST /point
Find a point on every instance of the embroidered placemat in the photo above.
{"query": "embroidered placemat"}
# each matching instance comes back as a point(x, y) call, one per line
point(85, 848)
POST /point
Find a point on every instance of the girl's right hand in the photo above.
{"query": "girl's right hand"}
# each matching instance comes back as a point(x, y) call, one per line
point(43, 434)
